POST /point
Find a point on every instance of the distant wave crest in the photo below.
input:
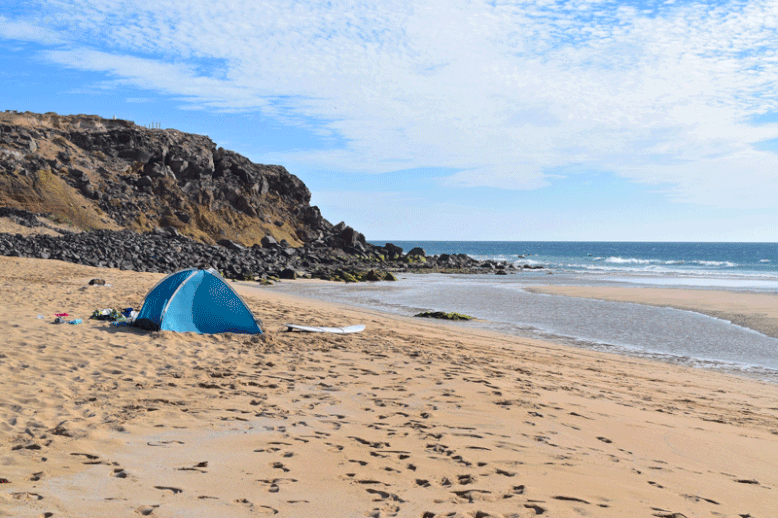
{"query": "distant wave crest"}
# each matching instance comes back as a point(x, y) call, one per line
point(629, 260)
point(633, 260)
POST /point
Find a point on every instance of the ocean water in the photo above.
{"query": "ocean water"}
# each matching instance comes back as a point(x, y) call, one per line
point(504, 303)
point(747, 265)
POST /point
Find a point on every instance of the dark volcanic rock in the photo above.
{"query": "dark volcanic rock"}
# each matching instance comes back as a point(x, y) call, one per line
point(393, 251)
point(287, 273)
point(232, 245)
point(269, 242)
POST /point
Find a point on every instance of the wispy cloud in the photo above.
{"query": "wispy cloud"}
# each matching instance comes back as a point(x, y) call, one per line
point(503, 91)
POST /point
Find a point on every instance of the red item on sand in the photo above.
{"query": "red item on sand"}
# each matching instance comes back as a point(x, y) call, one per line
point(61, 315)
point(4, 481)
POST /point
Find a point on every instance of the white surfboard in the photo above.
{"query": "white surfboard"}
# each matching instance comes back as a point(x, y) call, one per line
point(336, 330)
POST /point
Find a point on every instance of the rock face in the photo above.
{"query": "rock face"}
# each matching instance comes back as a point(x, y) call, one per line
point(102, 173)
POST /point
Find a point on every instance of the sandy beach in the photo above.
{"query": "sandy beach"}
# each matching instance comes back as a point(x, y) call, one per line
point(409, 418)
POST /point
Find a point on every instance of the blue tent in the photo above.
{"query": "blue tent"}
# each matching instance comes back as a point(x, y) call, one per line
point(197, 301)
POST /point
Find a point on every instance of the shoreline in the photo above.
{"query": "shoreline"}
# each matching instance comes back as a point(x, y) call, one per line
point(408, 418)
point(738, 312)
point(754, 311)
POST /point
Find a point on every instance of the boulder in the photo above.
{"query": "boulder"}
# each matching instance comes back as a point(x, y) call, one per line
point(269, 242)
point(145, 181)
point(351, 238)
point(374, 276)
point(288, 273)
point(232, 245)
point(183, 216)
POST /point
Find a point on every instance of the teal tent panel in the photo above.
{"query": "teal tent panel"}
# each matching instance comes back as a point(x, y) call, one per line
point(178, 314)
point(161, 294)
point(217, 309)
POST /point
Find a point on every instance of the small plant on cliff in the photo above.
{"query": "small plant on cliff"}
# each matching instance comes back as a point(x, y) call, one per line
point(60, 219)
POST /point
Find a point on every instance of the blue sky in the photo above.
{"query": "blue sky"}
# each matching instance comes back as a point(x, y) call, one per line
point(472, 120)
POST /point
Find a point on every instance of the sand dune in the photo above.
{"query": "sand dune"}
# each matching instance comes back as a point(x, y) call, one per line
point(408, 418)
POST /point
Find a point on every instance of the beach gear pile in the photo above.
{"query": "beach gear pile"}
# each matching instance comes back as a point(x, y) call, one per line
point(62, 318)
point(124, 317)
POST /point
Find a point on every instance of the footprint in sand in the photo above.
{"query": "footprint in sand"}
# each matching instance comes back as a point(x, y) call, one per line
point(164, 444)
point(384, 495)
point(695, 498)
point(261, 509)
point(273, 484)
point(174, 490)
point(119, 473)
point(471, 495)
point(197, 467)
point(26, 496)
point(538, 510)
point(570, 499)
point(465, 479)
point(87, 455)
point(145, 510)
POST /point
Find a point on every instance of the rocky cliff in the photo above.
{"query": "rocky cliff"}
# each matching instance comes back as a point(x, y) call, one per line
point(100, 173)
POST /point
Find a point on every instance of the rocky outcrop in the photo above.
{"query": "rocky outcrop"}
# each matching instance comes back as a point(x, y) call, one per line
point(112, 174)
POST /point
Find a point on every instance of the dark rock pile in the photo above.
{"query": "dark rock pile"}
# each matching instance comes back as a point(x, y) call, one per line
point(165, 250)
point(20, 217)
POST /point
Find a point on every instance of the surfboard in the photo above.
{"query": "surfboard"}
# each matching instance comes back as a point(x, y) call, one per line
point(336, 330)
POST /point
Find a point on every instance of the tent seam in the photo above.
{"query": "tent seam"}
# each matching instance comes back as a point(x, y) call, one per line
point(163, 280)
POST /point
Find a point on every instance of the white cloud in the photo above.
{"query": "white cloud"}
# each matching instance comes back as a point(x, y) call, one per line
point(504, 92)
point(25, 31)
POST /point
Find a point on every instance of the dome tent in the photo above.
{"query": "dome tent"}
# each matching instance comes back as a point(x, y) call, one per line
point(197, 301)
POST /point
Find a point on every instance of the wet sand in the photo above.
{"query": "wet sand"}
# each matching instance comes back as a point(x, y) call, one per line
point(409, 418)
point(757, 311)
